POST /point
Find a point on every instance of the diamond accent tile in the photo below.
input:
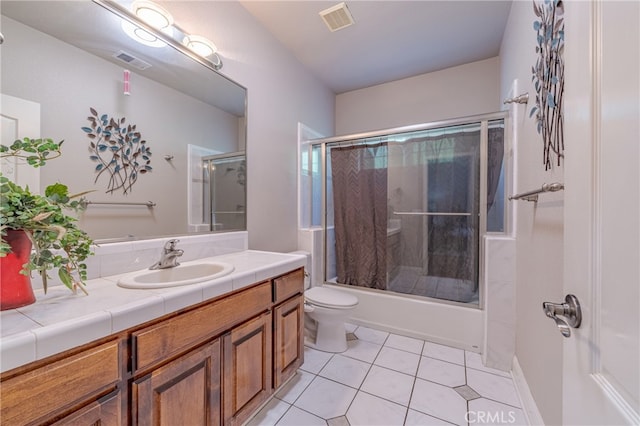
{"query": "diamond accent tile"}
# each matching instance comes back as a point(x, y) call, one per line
point(351, 336)
point(467, 392)
point(338, 421)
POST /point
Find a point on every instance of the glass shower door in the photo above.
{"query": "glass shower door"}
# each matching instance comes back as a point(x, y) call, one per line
point(434, 189)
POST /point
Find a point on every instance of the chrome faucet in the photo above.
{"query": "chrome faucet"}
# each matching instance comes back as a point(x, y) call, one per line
point(169, 256)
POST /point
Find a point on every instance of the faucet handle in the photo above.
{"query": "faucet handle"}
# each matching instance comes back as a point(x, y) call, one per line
point(171, 244)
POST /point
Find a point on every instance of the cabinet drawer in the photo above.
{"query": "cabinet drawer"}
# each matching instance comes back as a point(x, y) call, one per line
point(288, 285)
point(158, 342)
point(38, 393)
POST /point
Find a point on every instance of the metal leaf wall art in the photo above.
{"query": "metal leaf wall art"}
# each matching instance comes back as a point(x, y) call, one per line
point(548, 78)
point(119, 150)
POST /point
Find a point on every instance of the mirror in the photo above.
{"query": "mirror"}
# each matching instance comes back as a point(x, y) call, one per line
point(75, 61)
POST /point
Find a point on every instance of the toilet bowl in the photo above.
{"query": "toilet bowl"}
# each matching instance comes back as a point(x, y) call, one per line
point(328, 309)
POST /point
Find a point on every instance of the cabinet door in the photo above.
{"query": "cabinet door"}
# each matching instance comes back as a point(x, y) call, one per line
point(288, 332)
point(184, 392)
point(246, 368)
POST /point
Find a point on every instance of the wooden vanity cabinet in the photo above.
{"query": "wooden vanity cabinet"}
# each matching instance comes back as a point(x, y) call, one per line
point(186, 391)
point(247, 368)
point(214, 363)
point(66, 389)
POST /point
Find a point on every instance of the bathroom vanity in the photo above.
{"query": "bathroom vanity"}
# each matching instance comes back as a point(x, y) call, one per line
point(212, 362)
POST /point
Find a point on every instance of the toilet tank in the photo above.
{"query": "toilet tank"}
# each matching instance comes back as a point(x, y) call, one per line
point(307, 268)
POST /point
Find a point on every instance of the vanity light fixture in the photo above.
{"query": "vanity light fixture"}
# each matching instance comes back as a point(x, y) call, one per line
point(200, 45)
point(152, 14)
point(155, 16)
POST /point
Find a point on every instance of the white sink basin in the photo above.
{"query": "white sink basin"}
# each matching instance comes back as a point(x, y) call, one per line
point(184, 274)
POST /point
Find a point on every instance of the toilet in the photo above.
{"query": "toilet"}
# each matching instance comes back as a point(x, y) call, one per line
point(326, 311)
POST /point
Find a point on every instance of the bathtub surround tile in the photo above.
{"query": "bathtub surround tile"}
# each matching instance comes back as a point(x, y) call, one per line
point(345, 370)
point(395, 359)
point(326, 398)
point(371, 335)
point(443, 353)
point(369, 410)
point(442, 372)
point(408, 344)
point(492, 386)
point(389, 384)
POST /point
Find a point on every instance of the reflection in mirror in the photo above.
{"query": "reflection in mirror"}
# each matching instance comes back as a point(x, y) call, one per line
point(67, 57)
point(225, 178)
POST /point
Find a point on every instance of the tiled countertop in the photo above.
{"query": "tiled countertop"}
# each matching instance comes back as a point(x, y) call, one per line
point(60, 320)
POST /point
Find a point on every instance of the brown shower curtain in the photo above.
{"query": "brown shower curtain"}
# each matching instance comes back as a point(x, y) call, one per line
point(359, 175)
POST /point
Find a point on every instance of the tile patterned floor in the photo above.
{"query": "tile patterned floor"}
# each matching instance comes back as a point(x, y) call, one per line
point(387, 379)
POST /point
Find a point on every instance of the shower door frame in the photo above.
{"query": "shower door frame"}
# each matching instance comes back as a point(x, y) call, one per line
point(483, 120)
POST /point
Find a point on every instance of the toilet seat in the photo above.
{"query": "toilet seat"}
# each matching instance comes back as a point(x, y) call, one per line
point(328, 298)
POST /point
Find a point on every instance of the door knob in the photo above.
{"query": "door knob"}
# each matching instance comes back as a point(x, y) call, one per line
point(570, 310)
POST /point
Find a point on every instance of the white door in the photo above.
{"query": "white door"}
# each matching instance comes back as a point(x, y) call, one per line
point(20, 119)
point(601, 359)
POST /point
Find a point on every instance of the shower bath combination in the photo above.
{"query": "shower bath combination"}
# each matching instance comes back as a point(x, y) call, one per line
point(403, 208)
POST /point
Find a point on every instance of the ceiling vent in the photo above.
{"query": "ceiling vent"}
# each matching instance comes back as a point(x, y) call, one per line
point(337, 17)
point(131, 60)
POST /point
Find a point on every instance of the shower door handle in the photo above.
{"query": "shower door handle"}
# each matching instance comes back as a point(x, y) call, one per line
point(570, 310)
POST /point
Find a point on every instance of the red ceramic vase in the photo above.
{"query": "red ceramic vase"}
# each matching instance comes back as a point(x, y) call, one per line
point(15, 288)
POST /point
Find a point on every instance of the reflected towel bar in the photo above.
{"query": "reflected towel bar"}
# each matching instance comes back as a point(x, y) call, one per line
point(533, 195)
point(149, 204)
point(431, 214)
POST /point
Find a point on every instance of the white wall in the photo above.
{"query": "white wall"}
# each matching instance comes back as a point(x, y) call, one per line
point(539, 229)
point(281, 93)
point(460, 91)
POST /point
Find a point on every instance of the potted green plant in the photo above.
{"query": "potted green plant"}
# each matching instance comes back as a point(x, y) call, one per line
point(55, 240)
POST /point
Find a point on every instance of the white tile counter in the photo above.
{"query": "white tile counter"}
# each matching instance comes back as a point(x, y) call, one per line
point(60, 320)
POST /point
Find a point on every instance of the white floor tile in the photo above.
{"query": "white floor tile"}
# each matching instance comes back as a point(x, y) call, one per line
point(408, 344)
point(350, 328)
point(442, 372)
point(345, 370)
point(294, 387)
point(486, 412)
point(389, 384)
point(416, 418)
point(438, 401)
point(325, 398)
point(369, 410)
point(364, 351)
point(298, 417)
point(371, 335)
point(444, 353)
point(314, 360)
point(492, 386)
point(474, 361)
point(395, 359)
point(270, 413)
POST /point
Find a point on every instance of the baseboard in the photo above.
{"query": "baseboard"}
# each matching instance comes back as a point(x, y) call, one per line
point(528, 403)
